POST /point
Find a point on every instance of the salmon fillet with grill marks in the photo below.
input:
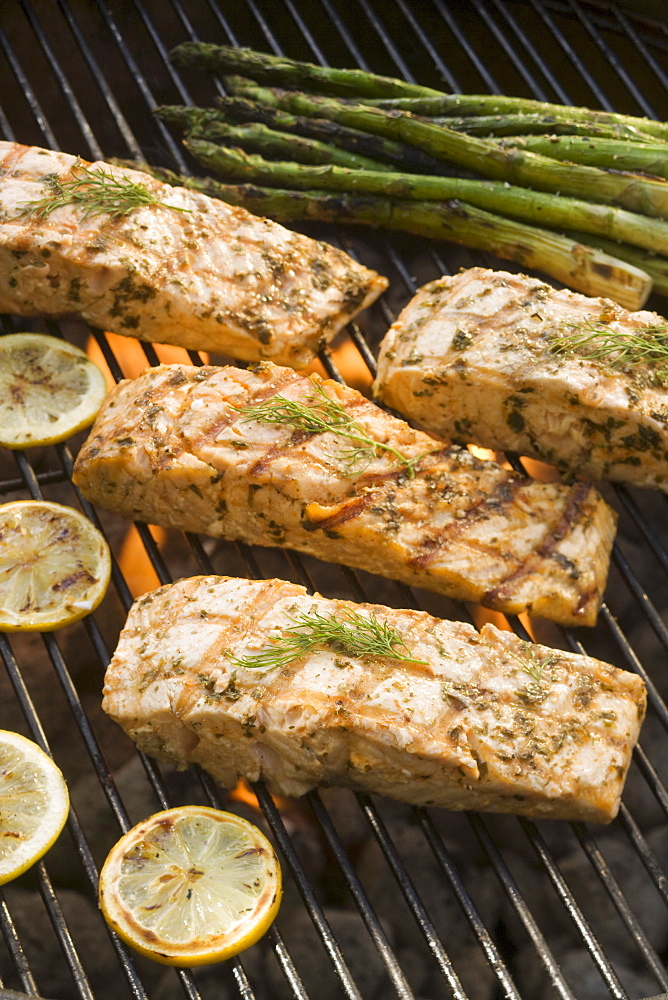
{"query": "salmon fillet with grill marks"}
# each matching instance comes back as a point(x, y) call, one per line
point(486, 722)
point(187, 270)
point(491, 357)
point(186, 447)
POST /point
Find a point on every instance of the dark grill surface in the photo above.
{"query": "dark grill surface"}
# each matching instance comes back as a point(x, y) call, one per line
point(381, 900)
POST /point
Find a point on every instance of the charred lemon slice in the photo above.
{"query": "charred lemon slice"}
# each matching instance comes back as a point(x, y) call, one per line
point(191, 886)
point(54, 566)
point(34, 804)
point(49, 389)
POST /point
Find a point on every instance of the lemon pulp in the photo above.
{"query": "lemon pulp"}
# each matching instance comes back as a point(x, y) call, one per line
point(34, 803)
point(54, 566)
point(191, 885)
point(49, 389)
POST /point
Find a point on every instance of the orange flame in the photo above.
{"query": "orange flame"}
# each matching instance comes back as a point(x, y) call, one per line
point(131, 357)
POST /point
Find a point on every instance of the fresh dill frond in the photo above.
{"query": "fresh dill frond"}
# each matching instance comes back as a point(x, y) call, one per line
point(534, 662)
point(617, 350)
point(97, 192)
point(322, 414)
point(350, 633)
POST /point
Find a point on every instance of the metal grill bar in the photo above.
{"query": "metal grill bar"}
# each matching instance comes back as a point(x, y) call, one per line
point(377, 45)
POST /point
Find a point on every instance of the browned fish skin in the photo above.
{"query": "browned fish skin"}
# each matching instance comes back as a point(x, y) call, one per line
point(206, 276)
point(488, 722)
point(469, 359)
point(172, 448)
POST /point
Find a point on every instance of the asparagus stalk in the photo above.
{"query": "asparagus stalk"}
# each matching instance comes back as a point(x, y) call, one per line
point(656, 267)
point(356, 141)
point(260, 139)
point(494, 104)
point(205, 121)
point(609, 154)
point(292, 73)
point(647, 196)
point(386, 91)
point(505, 199)
point(187, 118)
point(582, 267)
point(533, 124)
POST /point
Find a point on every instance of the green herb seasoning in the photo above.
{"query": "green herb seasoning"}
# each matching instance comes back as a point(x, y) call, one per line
point(533, 662)
point(321, 414)
point(97, 192)
point(350, 633)
point(616, 350)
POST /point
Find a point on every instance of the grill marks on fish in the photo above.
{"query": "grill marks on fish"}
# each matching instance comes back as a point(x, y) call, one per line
point(486, 721)
point(553, 535)
point(461, 526)
point(187, 270)
point(508, 362)
point(501, 497)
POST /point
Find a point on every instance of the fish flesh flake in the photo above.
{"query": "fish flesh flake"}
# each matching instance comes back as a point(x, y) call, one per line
point(197, 449)
point(481, 720)
point(510, 363)
point(184, 269)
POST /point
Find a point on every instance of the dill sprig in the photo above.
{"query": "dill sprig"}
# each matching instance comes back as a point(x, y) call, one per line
point(533, 662)
point(617, 350)
point(321, 414)
point(350, 633)
point(97, 192)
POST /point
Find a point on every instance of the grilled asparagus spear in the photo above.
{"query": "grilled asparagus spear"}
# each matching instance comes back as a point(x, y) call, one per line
point(482, 156)
point(258, 138)
point(505, 199)
point(239, 109)
point(389, 92)
point(542, 125)
point(495, 104)
point(292, 72)
point(610, 154)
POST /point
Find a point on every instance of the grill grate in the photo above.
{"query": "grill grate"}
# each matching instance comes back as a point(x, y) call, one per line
point(382, 900)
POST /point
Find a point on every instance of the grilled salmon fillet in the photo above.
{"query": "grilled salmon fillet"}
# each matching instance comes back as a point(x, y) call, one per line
point(187, 269)
point(201, 449)
point(510, 363)
point(476, 720)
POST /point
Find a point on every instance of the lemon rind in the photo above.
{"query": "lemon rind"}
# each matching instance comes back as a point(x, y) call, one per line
point(95, 397)
point(184, 955)
point(47, 622)
point(58, 800)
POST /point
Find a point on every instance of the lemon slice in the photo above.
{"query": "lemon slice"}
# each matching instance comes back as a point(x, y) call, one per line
point(54, 566)
point(49, 389)
point(34, 804)
point(191, 886)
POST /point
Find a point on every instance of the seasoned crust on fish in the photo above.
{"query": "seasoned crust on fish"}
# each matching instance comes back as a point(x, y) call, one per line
point(488, 722)
point(175, 447)
point(475, 358)
point(189, 270)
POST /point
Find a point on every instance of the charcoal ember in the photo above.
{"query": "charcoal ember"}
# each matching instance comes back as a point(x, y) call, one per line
point(580, 972)
point(638, 796)
point(579, 969)
point(637, 887)
point(456, 833)
point(314, 965)
point(346, 815)
point(414, 968)
point(471, 968)
point(210, 982)
point(42, 949)
point(639, 891)
point(94, 812)
point(431, 883)
point(439, 900)
point(216, 982)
